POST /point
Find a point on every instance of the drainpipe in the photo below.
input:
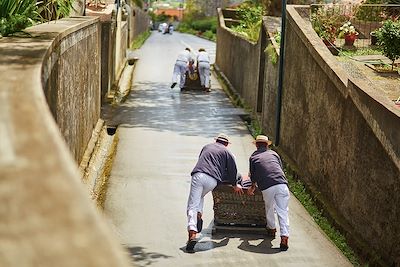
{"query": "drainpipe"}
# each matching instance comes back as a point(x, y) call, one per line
point(280, 76)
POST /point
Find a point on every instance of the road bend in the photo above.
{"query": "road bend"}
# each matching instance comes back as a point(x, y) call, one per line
point(161, 132)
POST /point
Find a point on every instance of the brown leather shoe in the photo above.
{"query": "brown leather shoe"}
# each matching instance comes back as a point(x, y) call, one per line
point(284, 243)
point(191, 242)
point(271, 232)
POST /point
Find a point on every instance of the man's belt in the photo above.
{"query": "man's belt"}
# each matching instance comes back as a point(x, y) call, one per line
point(181, 61)
point(204, 61)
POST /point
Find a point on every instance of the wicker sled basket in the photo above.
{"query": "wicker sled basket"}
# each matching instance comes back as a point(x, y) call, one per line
point(238, 210)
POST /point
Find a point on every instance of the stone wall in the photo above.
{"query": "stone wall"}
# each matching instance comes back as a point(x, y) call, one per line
point(338, 134)
point(108, 33)
point(72, 89)
point(342, 138)
point(47, 218)
point(140, 23)
point(238, 60)
point(268, 114)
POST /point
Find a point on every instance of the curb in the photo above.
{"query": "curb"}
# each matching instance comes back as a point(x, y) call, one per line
point(99, 166)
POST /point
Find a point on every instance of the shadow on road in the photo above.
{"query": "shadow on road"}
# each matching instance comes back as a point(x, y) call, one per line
point(189, 113)
point(254, 243)
point(143, 258)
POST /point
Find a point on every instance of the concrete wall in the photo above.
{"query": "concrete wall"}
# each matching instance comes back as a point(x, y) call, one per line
point(238, 60)
point(121, 47)
point(108, 33)
point(47, 218)
point(343, 138)
point(72, 89)
point(271, 68)
point(339, 135)
point(140, 23)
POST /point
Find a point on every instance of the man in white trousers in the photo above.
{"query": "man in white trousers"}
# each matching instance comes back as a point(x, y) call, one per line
point(180, 68)
point(203, 67)
point(266, 172)
point(216, 164)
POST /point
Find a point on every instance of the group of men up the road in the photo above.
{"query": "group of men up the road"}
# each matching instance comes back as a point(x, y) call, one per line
point(185, 63)
point(216, 164)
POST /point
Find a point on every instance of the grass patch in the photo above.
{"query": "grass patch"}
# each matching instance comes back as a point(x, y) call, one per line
point(300, 191)
point(140, 39)
point(360, 52)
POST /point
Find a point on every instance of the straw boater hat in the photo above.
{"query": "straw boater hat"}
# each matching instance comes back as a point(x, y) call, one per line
point(222, 137)
point(262, 139)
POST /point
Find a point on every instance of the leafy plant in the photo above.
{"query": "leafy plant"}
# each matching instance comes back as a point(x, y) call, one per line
point(273, 57)
point(55, 9)
point(389, 39)
point(16, 15)
point(250, 21)
point(326, 21)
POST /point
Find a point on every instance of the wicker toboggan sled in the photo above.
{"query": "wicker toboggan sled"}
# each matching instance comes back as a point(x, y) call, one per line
point(234, 212)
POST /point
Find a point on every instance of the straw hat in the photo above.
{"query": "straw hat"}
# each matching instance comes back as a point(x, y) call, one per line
point(262, 139)
point(222, 137)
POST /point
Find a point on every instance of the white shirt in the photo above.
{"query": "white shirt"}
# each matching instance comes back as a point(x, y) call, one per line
point(184, 56)
point(203, 57)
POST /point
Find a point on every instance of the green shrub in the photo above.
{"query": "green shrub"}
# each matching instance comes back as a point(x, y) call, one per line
point(205, 25)
point(389, 39)
point(250, 22)
point(209, 35)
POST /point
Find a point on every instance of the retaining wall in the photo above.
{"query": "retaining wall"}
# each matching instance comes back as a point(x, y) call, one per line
point(140, 23)
point(338, 133)
point(270, 85)
point(71, 82)
point(238, 60)
point(341, 135)
point(47, 218)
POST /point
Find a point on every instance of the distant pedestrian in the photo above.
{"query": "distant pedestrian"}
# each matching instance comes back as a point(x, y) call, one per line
point(203, 67)
point(267, 172)
point(180, 68)
point(216, 164)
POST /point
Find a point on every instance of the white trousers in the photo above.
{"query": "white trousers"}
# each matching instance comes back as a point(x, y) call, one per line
point(180, 69)
point(277, 197)
point(200, 185)
point(204, 73)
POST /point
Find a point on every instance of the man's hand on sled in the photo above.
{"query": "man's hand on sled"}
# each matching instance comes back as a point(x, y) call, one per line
point(251, 190)
point(238, 190)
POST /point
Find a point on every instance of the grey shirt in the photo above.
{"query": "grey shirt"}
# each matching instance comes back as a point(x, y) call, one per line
point(218, 162)
point(266, 168)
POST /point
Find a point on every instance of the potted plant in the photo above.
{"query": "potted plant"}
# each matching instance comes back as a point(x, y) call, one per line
point(348, 32)
point(389, 39)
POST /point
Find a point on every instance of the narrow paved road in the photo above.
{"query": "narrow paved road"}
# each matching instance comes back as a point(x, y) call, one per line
point(161, 133)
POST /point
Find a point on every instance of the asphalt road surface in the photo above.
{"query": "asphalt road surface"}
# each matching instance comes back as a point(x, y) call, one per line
point(161, 132)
